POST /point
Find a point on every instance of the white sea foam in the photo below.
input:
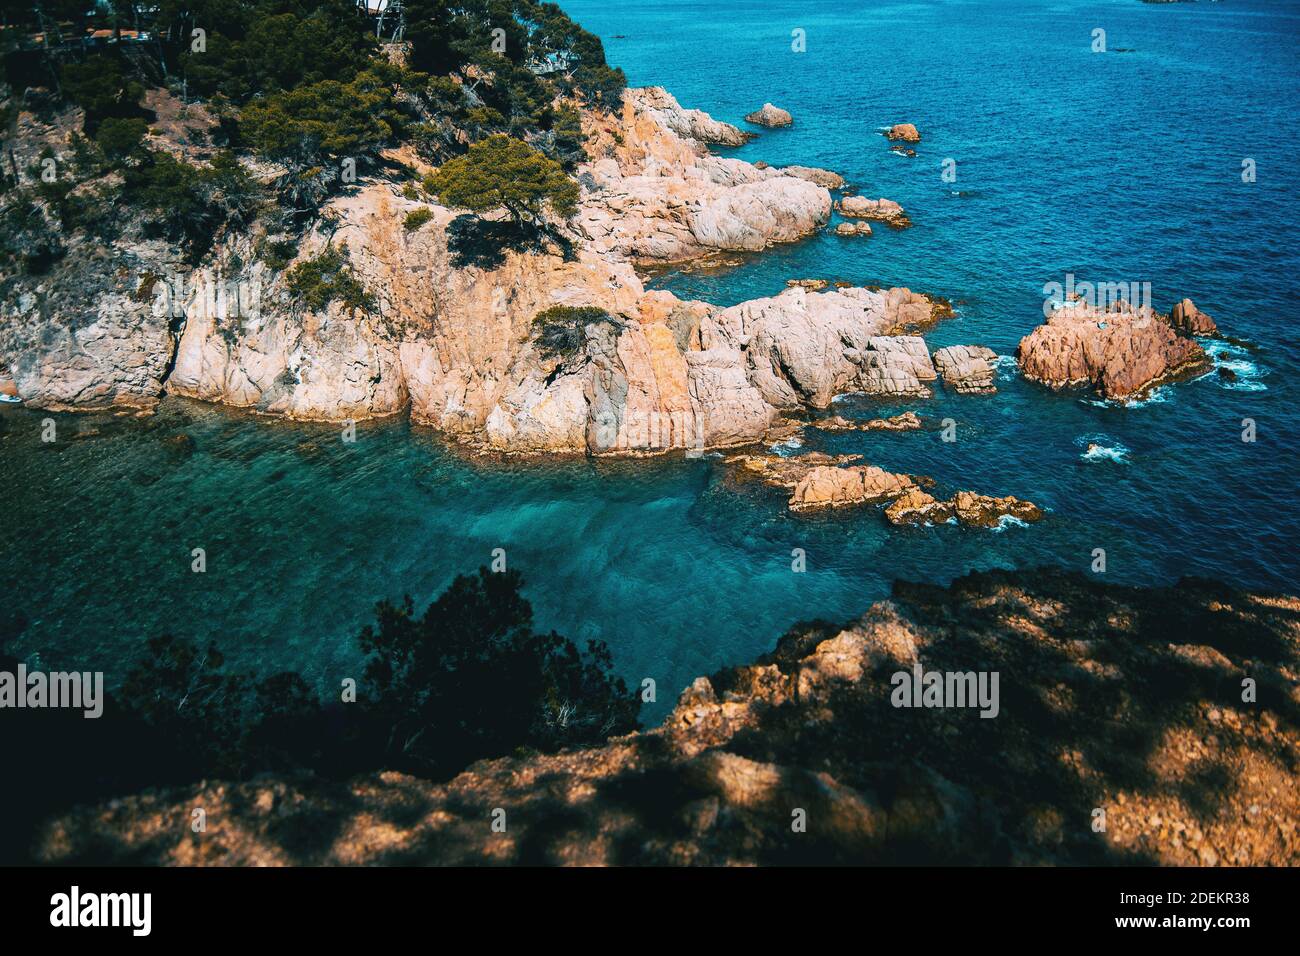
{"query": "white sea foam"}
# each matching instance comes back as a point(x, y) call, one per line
point(1102, 448)
point(1007, 366)
point(788, 447)
point(1157, 396)
point(1006, 521)
point(1236, 360)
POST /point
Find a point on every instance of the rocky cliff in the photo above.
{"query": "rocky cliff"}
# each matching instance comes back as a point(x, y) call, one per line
point(1130, 726)
point(451, 336)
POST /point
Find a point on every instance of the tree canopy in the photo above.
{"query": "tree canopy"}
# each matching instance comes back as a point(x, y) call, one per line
point(505, 173)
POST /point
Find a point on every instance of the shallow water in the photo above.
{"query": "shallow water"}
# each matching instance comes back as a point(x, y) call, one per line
point(1113, 167)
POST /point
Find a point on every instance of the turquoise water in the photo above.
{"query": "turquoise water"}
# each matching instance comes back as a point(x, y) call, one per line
point(1123, 166)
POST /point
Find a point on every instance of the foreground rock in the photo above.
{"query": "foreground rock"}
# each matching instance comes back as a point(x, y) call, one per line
point(968, 369)
point(965, 508)
point(1190, 320)
point(1121, 699)
point(905, 132)
point(1120, 351)
point(883, 210)
point(769, 115)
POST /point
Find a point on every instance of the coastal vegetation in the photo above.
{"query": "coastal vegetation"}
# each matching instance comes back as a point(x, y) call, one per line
point(318, 90)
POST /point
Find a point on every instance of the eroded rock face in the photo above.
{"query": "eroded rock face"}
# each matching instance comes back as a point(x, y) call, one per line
point(769, 115)
point(807, 347)
point(906, 132)
point(821, 177)
point(1120, 352)
point(1188, 319)
point(664, 109)
point(839, 487)
point(85, 336)
point(896, 365)
point(811, 724)
point(883, 210)
point(967, 368)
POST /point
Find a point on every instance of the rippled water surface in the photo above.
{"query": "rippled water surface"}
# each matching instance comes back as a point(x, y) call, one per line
point(1114, 167)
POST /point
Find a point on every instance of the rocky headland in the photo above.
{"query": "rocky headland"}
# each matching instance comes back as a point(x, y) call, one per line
point(1122, 735)
point(454, 341)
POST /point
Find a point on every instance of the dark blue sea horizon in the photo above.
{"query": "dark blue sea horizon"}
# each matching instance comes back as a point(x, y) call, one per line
point(1112, 167)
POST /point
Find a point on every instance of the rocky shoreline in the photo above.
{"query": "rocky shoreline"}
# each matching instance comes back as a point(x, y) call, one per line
point(1122, 736)
point(452, 342)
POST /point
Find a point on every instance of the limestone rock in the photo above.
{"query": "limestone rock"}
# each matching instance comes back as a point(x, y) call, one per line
point(906, 132)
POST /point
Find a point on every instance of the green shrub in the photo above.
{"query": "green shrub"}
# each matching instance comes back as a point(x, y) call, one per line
point(561, 330)
point(417, 218)
point(327, 277)
point(503, 172)
point(119, 137)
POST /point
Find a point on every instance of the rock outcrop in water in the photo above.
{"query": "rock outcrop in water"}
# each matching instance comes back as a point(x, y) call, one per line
point(818, 481)
point(1123, 700)
point(967, 368)
point(883, 210)
point(965, 507)
point(905, 132)
point(1188, 319)
point(1120, 351)
point(770, 116)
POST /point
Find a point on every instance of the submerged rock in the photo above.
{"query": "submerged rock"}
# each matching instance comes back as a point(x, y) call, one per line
point(966, 507)
point(907, 421)
point(853, 229)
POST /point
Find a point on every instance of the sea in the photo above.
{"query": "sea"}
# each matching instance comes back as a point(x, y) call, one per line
point(1111, 141)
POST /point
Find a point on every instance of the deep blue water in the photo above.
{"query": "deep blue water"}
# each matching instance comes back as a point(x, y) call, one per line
point(1113, 167)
